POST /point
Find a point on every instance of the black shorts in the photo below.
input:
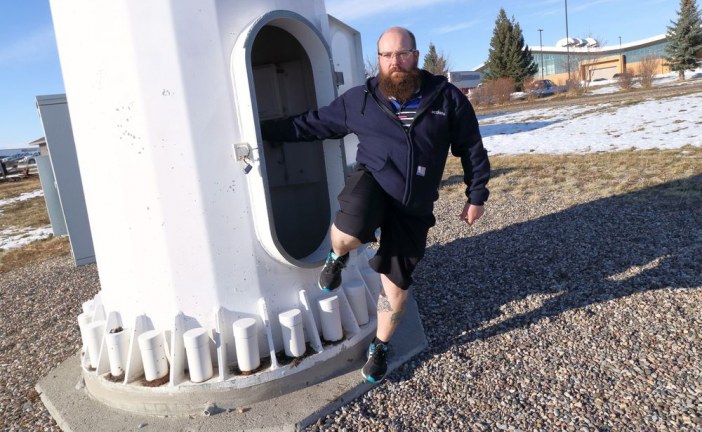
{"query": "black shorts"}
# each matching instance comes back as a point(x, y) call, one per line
point(365, 207)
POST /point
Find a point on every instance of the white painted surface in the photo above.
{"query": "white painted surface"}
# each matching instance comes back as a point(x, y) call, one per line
point(117, 348)
point(293, 334)
point(160, 93)
point(356, 293)
point(156, 110)
point(93, 338)
point(83, 321)
point(331, 319)
point(246, 336)
point(153, 354)
point(197, 348)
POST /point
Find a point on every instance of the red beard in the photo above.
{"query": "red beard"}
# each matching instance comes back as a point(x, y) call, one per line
point(401, 85)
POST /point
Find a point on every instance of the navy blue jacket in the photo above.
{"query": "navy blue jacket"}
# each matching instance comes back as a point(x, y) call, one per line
point(407, 163)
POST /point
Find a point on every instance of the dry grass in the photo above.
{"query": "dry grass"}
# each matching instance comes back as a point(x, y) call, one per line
point(648, 66)
point(11, 189)
point(30, 213)
point(584, 177)
point(625, 81)
point(576, 178)
point(34, 252)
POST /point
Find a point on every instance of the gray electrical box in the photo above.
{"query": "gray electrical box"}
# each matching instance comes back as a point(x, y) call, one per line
point(63, 167)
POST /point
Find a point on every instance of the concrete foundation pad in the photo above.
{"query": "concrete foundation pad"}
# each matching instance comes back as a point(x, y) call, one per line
point(75, 410)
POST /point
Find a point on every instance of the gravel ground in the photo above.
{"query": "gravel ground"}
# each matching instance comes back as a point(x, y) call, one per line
point(39, 306)
point(555, 315)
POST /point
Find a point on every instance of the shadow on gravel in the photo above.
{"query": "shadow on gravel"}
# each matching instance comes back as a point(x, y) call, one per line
point(483, 117)
point(513, 128)
point(587, 254)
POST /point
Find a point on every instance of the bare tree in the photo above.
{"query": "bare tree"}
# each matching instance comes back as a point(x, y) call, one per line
point(625, 80)
point(497, 91)
point(583, 64)
point(371, 67)
point(647, 70)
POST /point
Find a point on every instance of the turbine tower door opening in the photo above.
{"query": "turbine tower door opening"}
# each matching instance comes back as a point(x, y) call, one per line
point(295, 173)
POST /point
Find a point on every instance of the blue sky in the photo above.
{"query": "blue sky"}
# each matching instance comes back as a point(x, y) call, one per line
point(29, 64)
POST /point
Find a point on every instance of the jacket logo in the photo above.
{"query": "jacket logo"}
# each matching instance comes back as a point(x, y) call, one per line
point(437, 112)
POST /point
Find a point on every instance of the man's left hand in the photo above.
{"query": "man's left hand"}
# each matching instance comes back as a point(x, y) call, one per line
point(472, 213)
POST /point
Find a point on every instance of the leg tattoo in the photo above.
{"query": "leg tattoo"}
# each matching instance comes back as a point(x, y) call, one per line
point(397, 316)
point(385, 306)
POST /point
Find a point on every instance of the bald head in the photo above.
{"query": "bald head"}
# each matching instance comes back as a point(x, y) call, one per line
point(398, 75)
point(406, 36)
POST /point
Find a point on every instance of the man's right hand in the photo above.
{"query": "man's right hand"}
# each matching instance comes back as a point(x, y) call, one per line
point(472, 213)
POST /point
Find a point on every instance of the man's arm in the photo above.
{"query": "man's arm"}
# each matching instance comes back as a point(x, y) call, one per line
point(468, 145)
point(327, 122)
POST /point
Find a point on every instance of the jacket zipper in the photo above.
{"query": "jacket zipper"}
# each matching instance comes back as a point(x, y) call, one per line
point(410, 153)
point(410, 167)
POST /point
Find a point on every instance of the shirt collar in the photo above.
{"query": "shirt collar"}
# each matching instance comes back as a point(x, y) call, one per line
point(412, 102)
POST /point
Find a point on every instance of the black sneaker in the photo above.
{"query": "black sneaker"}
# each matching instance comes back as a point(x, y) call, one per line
point(377, 365)
point(330, 279)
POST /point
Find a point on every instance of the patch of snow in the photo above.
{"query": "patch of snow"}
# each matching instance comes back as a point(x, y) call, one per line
point(611, 85)
point(662, 123)
point(24, 197)
point(604, 90)
point(11, 238)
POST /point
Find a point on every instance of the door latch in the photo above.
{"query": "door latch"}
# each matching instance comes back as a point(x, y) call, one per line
point(243, 154)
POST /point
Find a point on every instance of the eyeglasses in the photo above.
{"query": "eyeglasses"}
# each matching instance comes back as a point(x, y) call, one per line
point(401, 55)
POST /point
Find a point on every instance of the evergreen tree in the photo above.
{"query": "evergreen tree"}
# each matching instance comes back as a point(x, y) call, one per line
point(684, 39)
point(435, 63)
point(496, 65)
point(509, 56)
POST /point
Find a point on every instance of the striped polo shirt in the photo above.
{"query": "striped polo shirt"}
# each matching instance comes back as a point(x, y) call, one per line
point(407, 111)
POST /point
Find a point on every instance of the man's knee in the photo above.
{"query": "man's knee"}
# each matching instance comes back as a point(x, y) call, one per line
point(342, 240)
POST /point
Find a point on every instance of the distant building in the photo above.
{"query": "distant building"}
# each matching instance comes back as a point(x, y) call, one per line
point(41, 142)
point(466, 81)
point(13, 151)
point(590, 61)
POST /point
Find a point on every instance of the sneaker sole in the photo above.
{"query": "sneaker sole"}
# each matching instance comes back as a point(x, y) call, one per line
point(372, 380)
point(325, 289)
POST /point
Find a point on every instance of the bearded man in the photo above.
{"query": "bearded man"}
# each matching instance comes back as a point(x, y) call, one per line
point(406, 120)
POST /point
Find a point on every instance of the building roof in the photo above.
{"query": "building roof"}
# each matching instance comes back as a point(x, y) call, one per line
point(38, 141)
point(613, 49)
point(600, 49)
